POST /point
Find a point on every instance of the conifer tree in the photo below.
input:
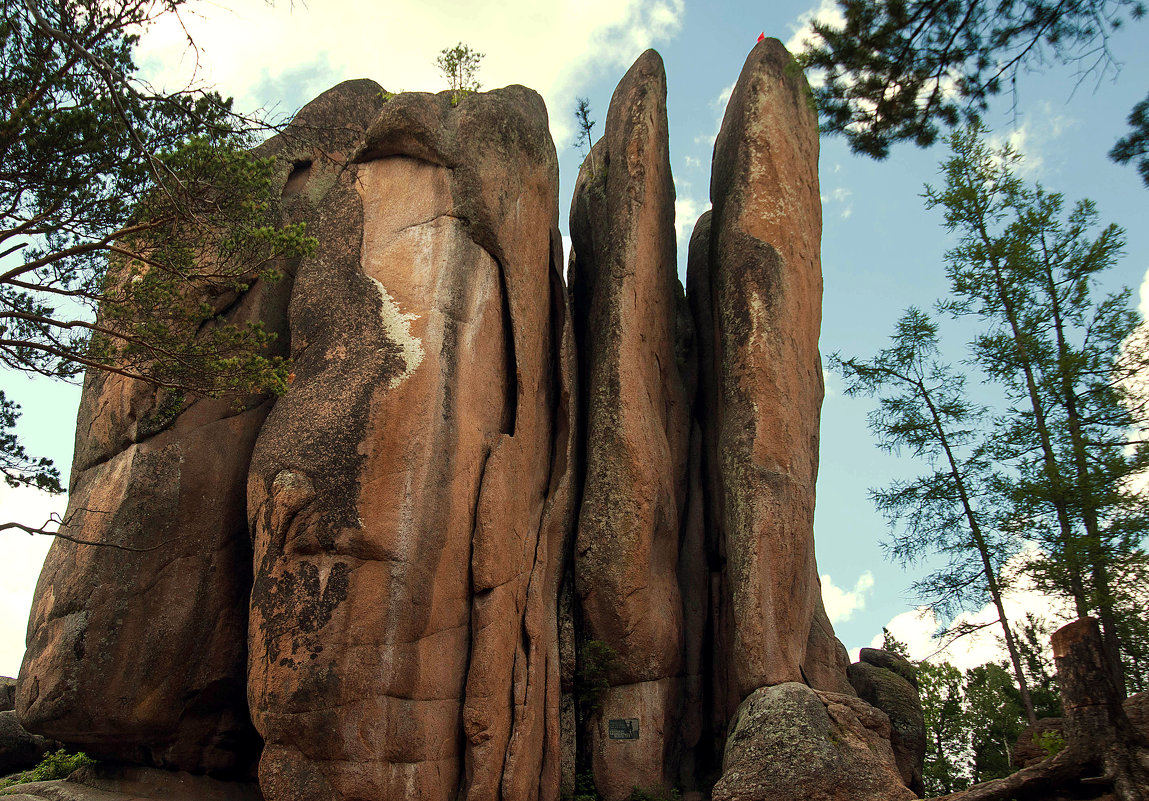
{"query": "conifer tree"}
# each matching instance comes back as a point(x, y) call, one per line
point(126, 214)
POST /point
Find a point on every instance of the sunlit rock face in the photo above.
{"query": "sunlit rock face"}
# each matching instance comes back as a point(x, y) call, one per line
point(137, 643)
point(498, 533)
point(762, 276)
point(410, 498)
point(637, 420)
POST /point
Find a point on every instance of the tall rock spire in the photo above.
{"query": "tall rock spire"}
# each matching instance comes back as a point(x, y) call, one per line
point(636, 416)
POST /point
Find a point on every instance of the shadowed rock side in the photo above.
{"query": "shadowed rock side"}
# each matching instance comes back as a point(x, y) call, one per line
point(410, 498)
point(763, 401)
point(889, 683)
point(140, 655)
point(624, 292)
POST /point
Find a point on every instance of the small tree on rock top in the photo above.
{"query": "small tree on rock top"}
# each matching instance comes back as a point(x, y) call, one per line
point(460, 66)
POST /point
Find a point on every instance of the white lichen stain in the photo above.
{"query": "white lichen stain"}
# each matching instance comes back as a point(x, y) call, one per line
point(397, 324)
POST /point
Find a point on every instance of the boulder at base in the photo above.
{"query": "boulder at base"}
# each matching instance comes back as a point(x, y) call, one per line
point(791, 743)
point(889, 682)
point(20, 749)
point(101, 783)
point(7, 693)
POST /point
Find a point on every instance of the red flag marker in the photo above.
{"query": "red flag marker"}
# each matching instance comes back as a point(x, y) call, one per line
point(762, 36)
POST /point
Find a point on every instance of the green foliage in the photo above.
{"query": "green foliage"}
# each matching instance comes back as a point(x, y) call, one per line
point(583, 139)
point(460, 66)
point(597, 661)
point(1051, 742)
point(923, 409)
point(585, 789)
point(1135, 146)
point(58, 765)
point(1049, 468)
point(940, 690)
point(893, 645)
point(654, 794)
point(993, 706)
point(1026, 270)
point(899, 70)
point(129, 219)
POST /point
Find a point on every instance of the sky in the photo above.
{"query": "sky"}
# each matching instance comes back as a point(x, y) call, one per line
point(881, 249)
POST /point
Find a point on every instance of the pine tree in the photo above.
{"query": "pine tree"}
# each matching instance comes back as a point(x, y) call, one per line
point(1027, 272)
point(124, 214)
point(923, 408)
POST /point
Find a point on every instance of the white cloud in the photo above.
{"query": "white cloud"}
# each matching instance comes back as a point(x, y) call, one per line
point(1032, 138)
point(802, 30)
point(840, 195)
point(692, 162)
point(916, 628)
point(840, 603)
point(23, 557)
point(719, 104)
point(260, 52)
point(687, 210)
point(1143, 296)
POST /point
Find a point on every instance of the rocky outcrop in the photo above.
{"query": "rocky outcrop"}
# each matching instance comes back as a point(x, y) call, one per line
point(101, 783)
point(410, 498)
point(7, 693)
point(791, 742)
point(19, 748)
point(137, 643)
point(624, 289)
point(437, 569)
point(889, 683)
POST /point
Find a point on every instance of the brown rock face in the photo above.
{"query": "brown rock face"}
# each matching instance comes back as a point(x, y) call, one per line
point(411, 496)
point(137, 649)
point(435, 569)
point(791, 742)
point(624, 291)
point(765, 291)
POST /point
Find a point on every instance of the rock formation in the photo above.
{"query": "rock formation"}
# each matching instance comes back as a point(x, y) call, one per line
point(493, 537)
point(20, 749)
point(624, 288)
point(789, 742)
point(765, 287)
point(409, 499)
point(889, 682)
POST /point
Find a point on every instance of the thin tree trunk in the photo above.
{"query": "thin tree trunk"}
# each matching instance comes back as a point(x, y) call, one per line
point(1086, 497)
point(983, 552)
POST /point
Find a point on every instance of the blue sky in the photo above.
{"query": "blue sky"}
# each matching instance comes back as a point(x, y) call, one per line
point(881, 250)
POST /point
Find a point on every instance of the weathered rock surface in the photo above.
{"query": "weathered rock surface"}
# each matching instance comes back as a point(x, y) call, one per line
point(137, 647)
point(7, 693)
point(410, 497)
point(637, 418)
point(20, 749)
point(443, 525)
point(765, 290)
point(889, 682)
point(791, 742)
